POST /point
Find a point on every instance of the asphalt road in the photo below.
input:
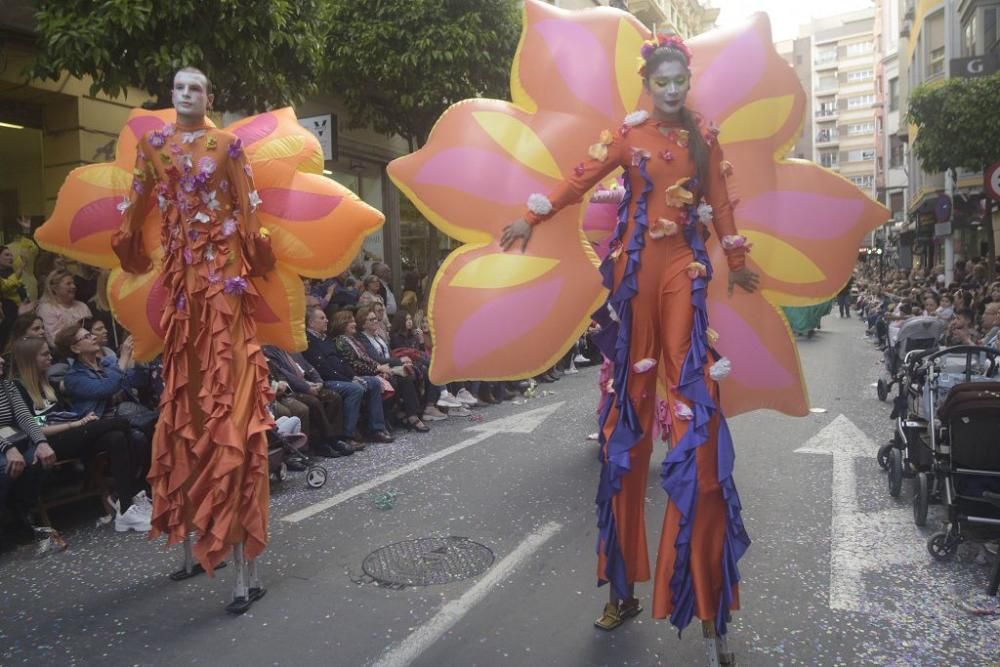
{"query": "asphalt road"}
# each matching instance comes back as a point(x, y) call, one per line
point(831, 579)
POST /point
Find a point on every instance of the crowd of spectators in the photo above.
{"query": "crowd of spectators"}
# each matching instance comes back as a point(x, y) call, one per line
point(969, 305)
point(75, 402)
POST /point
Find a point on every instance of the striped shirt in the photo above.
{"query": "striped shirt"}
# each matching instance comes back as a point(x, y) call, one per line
point(14, 413)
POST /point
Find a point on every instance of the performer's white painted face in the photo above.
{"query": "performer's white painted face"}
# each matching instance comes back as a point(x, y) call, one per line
point(190, 95)
point(668, 86)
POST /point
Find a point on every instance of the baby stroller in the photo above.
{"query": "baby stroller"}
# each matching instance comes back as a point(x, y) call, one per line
point(966, 445)
point(918, 333)
point(280, 452)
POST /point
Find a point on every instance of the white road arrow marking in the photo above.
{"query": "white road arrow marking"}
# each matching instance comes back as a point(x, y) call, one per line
point(525, 422)
point(859, 540)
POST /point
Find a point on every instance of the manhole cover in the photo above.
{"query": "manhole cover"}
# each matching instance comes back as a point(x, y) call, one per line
point(427, 561)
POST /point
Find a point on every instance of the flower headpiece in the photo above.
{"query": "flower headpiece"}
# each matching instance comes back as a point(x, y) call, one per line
point(671, 41)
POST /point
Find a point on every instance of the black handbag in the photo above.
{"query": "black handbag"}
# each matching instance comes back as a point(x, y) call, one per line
point(137, 415)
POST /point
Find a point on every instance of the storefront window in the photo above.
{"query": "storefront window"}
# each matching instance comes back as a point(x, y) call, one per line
point(21, 173)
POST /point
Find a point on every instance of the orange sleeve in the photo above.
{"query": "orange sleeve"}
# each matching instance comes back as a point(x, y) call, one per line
point(256, 247)
point(127, 241)
point(717, 195)
point(601, 160)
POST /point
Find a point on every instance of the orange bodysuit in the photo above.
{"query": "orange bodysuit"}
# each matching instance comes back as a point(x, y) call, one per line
point(656, 327)
point(209, 471)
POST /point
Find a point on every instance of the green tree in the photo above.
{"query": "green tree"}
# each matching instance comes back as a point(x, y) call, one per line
point(957, 127)
point(398, 64)
point(258, 53)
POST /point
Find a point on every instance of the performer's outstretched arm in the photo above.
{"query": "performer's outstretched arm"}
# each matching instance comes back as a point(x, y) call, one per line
point(733, 244)
point(127, 241)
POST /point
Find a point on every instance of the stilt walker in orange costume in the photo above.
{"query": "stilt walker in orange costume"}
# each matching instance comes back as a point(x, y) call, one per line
point(655, 326)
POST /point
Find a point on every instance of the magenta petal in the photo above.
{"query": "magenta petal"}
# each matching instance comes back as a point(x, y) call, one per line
point(503, 319)
point(781, 213)
point(296, 204)
point(582, 63)
point(753, 364)
point(257, 129)
point(730, 77)
point(100, 215)
point(483, 174)
point(140, 125)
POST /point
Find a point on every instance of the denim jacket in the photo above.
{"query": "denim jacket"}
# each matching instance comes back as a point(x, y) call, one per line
point(88, 391)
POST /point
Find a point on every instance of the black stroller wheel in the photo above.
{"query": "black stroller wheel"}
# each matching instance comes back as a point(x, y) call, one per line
point(895, 472)
point(921, 499)
point(941, 548)
point(882, 390)
point(883, 456)
point(315, 477)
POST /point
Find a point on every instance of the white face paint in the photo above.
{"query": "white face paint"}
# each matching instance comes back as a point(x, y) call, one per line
point(190, 97)
point(668, 86)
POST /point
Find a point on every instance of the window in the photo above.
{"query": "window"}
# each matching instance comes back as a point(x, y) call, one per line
point(826, 56)
point(860, 75)
point(863, 182)
point(969, 38)
point(860, 101)
point(896, 204)
point(896, 152)
point(936, 65)
point(828, 159)
point(827, 109)
point(827, 82)
point(826, 135)
point(865, 155)
point(990, 29)
point(855, 129)
point(860, 49)
point(894, 94)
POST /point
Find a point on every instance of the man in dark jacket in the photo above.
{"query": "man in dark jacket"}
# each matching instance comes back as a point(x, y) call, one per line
point(338, 376)
point(328, 410)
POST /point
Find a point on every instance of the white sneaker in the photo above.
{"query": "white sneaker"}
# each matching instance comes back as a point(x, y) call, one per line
point(580, 359)
point(572, 370)
point(132, 519)
point(459, 412)
point(432, 414)
point(143, 503)
point(466, 398)
point(448, 401)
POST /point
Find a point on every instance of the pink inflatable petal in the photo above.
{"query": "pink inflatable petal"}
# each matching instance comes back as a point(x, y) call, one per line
point(802, 214)
point(297, 205)
point(466, 170)
point(479, 334)
point(257, 129)
point(140, 125)
point(582, 62)
point(730, 78)
point(753, 364)
point(100, 215)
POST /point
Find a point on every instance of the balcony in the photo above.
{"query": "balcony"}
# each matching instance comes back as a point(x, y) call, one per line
point(827, 114)
point(826, 139)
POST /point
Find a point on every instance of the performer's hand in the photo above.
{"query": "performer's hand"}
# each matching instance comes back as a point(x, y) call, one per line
point(745, 278)
point(520, 229)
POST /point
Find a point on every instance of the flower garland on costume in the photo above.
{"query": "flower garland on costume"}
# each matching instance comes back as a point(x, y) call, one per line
point(670, 41)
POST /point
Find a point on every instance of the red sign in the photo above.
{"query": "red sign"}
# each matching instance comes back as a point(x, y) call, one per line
point(992, 181)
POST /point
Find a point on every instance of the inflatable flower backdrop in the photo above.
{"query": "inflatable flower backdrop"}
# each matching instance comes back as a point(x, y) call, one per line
point(316, 225)
point(505, 315)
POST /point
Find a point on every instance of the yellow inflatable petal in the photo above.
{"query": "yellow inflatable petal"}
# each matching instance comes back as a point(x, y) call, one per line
point(782, 260)
point(629, 84)
point(106, 176)
point(520, 141)
point(758, 120)
point(502, 270)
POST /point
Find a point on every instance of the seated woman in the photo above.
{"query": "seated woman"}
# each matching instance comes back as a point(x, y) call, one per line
point(26, 325)
point(21, 463)
point(84, 437)
point(58, 306)
point(407, 341)
point(356, 353)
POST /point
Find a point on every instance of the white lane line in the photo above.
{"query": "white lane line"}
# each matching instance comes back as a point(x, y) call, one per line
point(354, 491)
point(524, 422)
point(451, 613)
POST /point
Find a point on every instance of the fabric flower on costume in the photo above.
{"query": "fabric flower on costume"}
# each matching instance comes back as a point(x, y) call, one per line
point(720, 370)
point(206, 165)
point(316, 225)
point(662, 422)
point(663, 228)
point(644, 365)
point(501, 315)
point(704, 213)
point(599, 151)
point(235, 286)
point(683, 412)
point(678, 195)
point(696, 270)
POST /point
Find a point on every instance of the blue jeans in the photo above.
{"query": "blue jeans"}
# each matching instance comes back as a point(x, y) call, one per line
point(352, 393)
